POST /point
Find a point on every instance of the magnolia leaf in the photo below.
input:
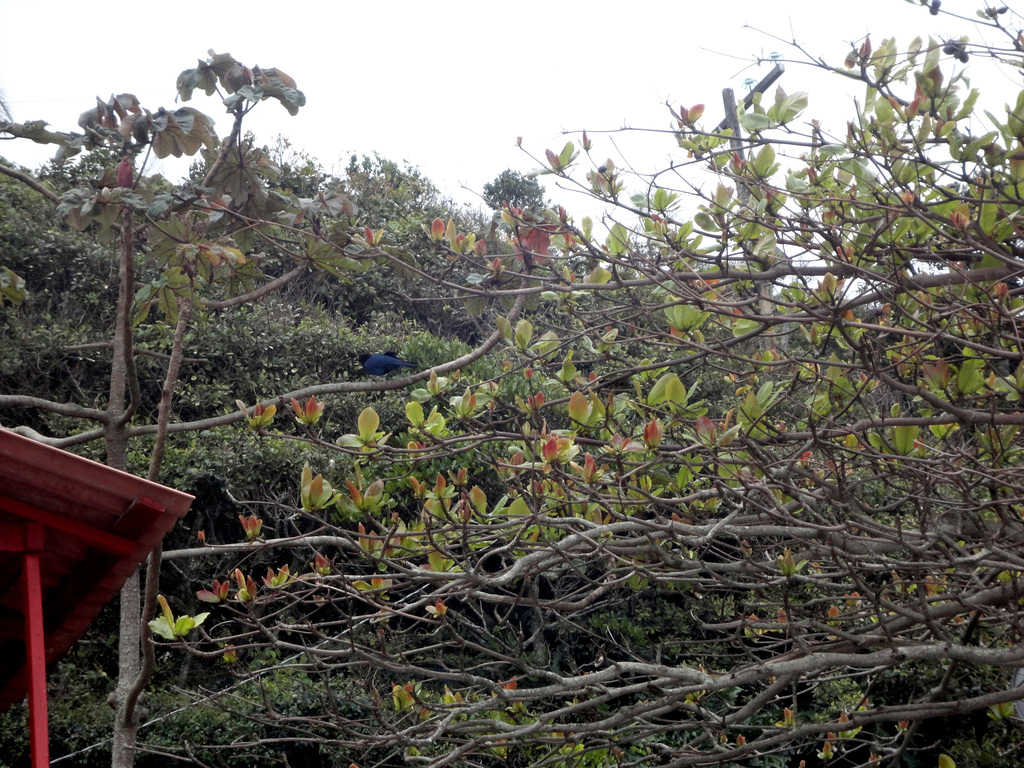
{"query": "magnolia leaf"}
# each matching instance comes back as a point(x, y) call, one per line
point(618, 240)
point(368, 423)
point(160, 626)
point(904, 437)
point(752, 122)
point(668, 387)
point(523, 334)
point(579, 407)
point(414, 413)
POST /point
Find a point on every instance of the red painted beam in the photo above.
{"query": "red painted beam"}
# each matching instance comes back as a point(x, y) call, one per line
point(93, 536)
point(35, 648)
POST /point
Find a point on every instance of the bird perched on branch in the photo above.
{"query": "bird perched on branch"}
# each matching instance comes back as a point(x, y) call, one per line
point(379, 365)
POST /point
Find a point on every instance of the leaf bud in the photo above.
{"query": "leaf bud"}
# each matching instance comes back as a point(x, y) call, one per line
point(140, 129)
point(124, 174)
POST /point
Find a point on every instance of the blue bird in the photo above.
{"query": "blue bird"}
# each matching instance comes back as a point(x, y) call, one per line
point(379, 365)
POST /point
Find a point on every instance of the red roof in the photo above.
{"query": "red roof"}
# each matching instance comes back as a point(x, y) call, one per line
point(99, 524)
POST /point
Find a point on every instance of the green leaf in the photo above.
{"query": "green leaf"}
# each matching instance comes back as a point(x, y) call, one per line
point(568, 370)
point(752, 122)
point(618, 240)
point(523, 334)
point(669, 388)
point(904, 437)
point(201, 77)
point(579, 407)
point(987, 219)
point(751, 409)
point(685, 317)
point(414, 413)
point(567, 155)
point(792, 106)
point(741, 327)
point(160, 626)
point(403, 699)
point(518, 507)
point(368, 423)
point(12, 287)
point(931, 58)
point(726, 438)
point(971, 378)
point(546, 343)
point(967, 109)
point(663, 200)
point(764, 161)
point(884, 110)
point(766, 245)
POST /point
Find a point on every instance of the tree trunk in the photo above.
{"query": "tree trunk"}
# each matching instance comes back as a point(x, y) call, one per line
point(121, 373)
point(122, 752)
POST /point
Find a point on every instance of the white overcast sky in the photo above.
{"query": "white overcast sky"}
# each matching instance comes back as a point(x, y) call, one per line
point(447, 86)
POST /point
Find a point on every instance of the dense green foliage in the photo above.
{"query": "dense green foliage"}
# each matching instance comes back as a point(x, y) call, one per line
point(514, 190)
point(733, 481)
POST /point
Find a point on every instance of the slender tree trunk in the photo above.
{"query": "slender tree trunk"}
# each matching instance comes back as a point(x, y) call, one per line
point(122, 751)
point(121, 370)
point(121, 365)
point(135, 649)
point(135, 653)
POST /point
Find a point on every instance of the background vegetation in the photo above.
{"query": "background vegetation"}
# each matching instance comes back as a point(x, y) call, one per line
point(730, 477)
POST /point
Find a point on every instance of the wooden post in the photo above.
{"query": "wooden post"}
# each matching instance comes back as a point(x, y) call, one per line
point(732, 120)
point(761, 87)
point(35, 647)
